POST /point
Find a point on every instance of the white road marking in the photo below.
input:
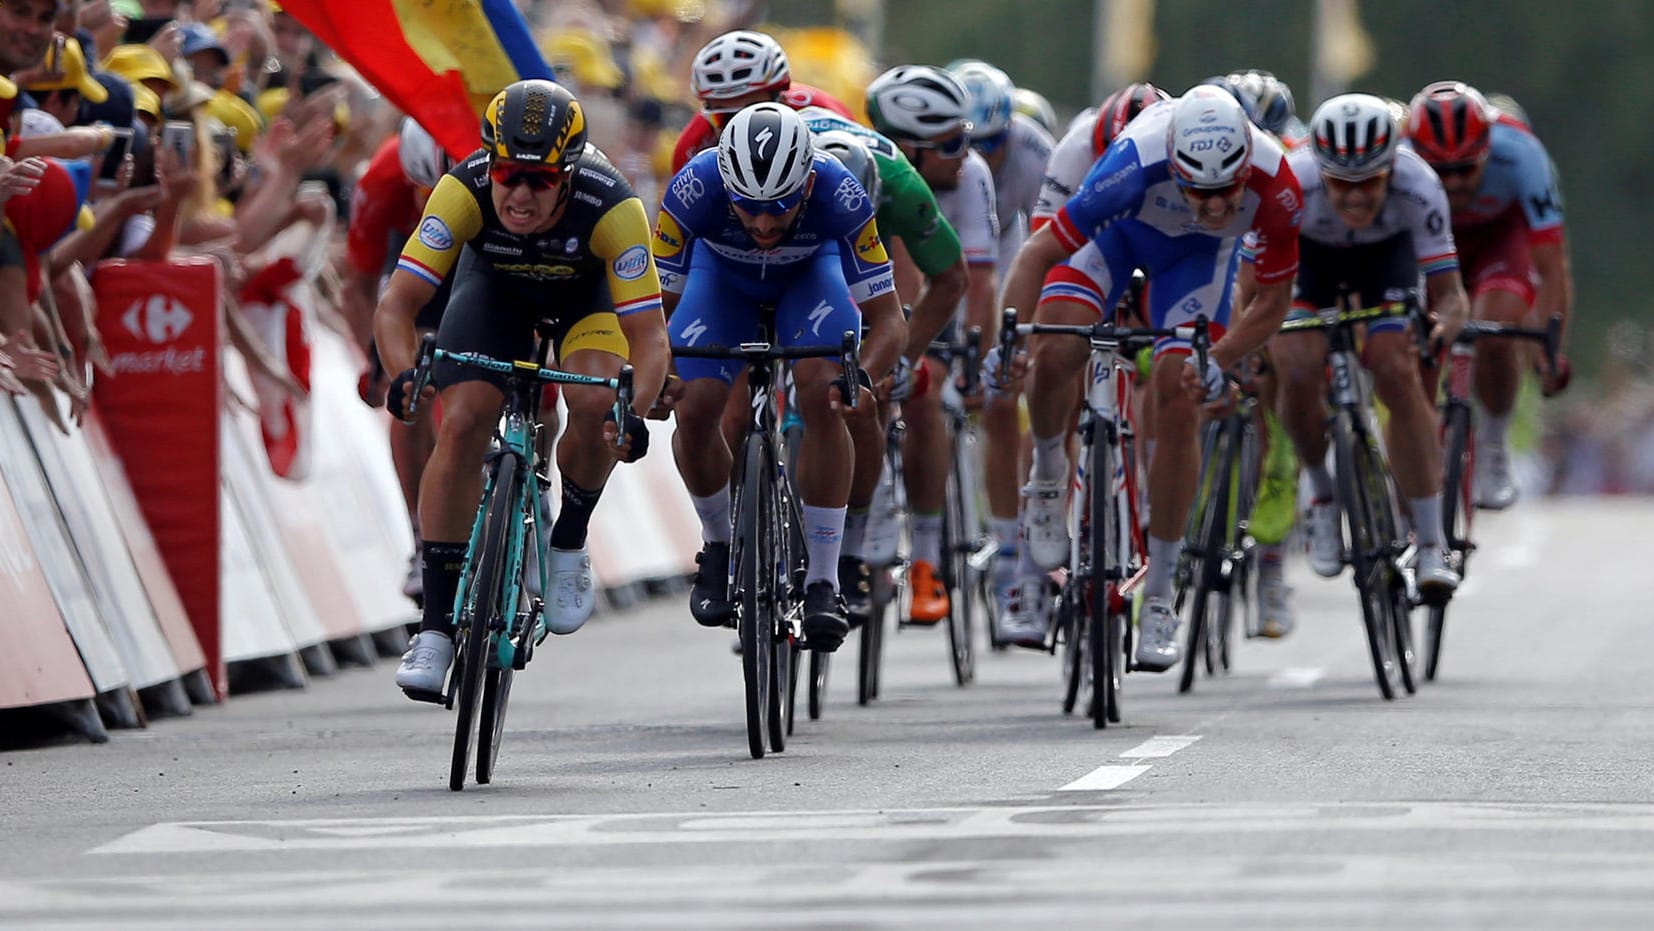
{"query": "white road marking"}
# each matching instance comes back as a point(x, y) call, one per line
point(1159, 746)
point(1296, 677)
point(1104, 778)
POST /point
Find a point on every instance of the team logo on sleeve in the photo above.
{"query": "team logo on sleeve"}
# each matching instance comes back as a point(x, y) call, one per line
point(631, 264)
point(434, 234)
point(687, 187)
point(668, 237)
point(850, 195)
point(869, 248)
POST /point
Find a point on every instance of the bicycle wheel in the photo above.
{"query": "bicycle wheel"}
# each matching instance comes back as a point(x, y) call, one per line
point(871, 654)
point(819, 666)
point(479, 614)
point(1237, 598)
point(496, 692)
point(783, 650)
point(1387, 522)
point(1457, 509)
point(958, 540)
point(1209, 520)
point(1368, 551)
point(753, 577)
point(1101, 566)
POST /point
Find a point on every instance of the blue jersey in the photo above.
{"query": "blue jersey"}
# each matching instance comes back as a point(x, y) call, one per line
point(696, 215)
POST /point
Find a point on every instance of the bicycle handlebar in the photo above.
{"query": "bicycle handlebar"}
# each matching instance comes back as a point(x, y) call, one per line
point(1328, 317)
point(848, 351)
point(1550, 337)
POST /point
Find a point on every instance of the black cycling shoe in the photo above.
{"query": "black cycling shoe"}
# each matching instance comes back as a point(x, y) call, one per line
point(709, 596)
point(824, 624)
point(855, 586)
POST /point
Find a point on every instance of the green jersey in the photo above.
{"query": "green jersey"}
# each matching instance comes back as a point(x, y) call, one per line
point(907, 209)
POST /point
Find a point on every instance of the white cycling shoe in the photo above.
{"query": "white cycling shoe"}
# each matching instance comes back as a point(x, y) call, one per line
point(570, 601)
point(1157, 646)
point(1275, 615)
point(1434, 579)
point(425, 665)
point(1495, 487)
point(1045, 524)
point(1324, 539)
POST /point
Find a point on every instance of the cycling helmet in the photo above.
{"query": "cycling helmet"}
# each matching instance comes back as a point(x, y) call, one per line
point(989, 90)
point(1267, 99)
point(1119, 108)
point(535, 121)
point(1209, 139)
point(1505, 105)
point(1449, 122)
point(739, 63)
point(1032, 104)
point(765, 153)
point(1355, 136)
point(917, 102)
point(854, 155)
point(423, 161)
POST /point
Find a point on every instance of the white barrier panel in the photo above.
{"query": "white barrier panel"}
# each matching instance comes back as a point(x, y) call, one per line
point(163, 596)
point(251, 627)
point(123, 606)
point(639, 531)
point(38, 661)
point(70, 587)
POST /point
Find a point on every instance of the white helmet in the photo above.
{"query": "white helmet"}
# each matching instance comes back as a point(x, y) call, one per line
point(917, 102)
point(1209, 138)
point(423, 160)
point(991, 93)
point(765, 153)
point(854, 155)
point(1355, 136)
point(1032, 104)
point(738, 63)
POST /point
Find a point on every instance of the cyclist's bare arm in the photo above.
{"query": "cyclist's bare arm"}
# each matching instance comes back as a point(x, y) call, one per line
point(1555, 297)
point(886, 333)
point(934, 307)
point(651, 353)
point(1256, 322)
point(1038, 254)
point(1448, 304)
point(393, 320)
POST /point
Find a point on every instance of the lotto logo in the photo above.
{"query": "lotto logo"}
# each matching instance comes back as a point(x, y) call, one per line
point(157, 318)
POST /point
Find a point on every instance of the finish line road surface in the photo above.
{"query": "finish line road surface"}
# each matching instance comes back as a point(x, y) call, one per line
point(1517, 791)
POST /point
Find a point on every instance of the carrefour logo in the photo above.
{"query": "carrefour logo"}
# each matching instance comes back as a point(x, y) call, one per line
point(158, 318)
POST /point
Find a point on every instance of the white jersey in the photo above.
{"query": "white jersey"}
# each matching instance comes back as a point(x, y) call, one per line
point(1066, 168)
point(1416, 205)
point(970, 208)
point(1018, 182)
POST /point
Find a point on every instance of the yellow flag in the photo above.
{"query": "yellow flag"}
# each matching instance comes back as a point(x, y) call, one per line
point(1343, 51)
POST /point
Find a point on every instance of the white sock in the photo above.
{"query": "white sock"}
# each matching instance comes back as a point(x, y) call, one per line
point(713, 510)
point(1051, 459)
point(823, 534)
point(1162, 566)
point(855, 531)
point(1495, 429)
point(927, 538)
point(1321, 486)
point(1427, 519)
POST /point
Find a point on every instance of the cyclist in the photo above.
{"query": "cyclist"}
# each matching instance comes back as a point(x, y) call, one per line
point(733, 71)
point(1173, 194)
point(1032, 104)
point(925, 110)
point(1507, 221)
point(766, 219)
point(1268, 100)
point(1375, 220)
point(535, 225)
point(929, 254)
point(385, 209)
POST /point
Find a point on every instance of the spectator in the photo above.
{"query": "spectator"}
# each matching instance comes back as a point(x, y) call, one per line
point(62, 81)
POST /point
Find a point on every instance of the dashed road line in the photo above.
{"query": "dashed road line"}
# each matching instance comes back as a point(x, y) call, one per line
point(1115, 775)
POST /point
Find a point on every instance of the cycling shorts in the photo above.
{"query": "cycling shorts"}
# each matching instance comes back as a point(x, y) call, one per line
point(720, 307)
point(1380, 271)
point(1495, 256)
point(493, 313)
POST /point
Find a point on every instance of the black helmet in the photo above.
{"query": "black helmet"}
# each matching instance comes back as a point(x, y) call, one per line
point(535, 121)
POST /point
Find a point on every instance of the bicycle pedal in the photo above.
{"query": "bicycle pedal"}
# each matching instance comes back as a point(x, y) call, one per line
point(435, 698)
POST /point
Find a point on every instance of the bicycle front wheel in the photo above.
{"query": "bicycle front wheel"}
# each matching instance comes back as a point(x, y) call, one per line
point(1457, 508)
point(871, 655)
point(1369, 550)
point(958, 540)
point(754, 559)
point(1209, 520)
point(480, 613)
point(1104, 573)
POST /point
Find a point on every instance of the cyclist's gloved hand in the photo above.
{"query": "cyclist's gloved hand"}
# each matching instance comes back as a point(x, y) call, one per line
point(396, 397)
point(998, 373)
point(1554, 382)
point(636, 432)
point(901, 379)
point(1212, 380)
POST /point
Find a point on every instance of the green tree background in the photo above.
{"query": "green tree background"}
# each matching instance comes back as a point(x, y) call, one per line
point(1583, 70)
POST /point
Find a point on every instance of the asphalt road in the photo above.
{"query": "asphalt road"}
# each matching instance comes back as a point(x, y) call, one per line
point(1514, 792)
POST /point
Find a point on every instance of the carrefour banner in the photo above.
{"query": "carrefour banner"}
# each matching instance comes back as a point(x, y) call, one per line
point(440, 61)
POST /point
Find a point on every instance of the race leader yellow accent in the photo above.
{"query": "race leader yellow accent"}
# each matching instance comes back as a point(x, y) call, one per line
point(869, 247)
point(595, 331)
point(603, 230)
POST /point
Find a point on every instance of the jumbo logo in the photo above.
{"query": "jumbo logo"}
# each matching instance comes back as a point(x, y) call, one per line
point(869, 248)
point(157, 318)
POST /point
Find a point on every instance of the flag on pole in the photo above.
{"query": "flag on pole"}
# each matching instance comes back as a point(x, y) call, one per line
point(439, 61)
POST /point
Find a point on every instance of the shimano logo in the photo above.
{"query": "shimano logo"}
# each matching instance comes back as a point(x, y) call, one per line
point(157, 318)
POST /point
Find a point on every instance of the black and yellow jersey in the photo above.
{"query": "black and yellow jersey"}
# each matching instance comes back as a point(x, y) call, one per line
point(603, 230)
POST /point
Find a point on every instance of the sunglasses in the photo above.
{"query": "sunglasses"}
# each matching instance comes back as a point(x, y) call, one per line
point(1457, 169)
point(537, 177)
point(718, 116)
point(991, 144)
point(952, 147)
point(775, 207)
point(1227, 190)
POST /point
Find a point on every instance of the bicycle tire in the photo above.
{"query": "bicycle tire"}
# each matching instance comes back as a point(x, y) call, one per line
point(1212, 498)
point(1457, 508)
point(1071, 634)
point(1351, 458)
point(496, 693)
point(751, 577)
point(1387, 519)
point(477, 615)
point(783, 651)
point(1103, 541)
point(956, 546)
point(819, 667)
point(871, 654)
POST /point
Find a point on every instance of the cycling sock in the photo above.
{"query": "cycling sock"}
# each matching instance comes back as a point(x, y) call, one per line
point(713, 510)
point(1007, 530)
point(1162, 566)
point(1321, 486)
point(1270, 557)
point(440, 566)
point(1495, 428)
point(927, 538)
point(1427, 519)
point(1050, 458)
point(569, 533)
point(855, 532)
point(823, 536)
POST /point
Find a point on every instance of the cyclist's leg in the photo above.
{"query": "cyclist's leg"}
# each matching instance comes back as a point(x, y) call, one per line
point(411, 445)
point(1498, 272)
point(925, 452)
point(1414, 445)
point(1300, 362)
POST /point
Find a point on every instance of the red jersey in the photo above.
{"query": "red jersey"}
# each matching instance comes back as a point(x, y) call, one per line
point(384, 205)
point(700, 133)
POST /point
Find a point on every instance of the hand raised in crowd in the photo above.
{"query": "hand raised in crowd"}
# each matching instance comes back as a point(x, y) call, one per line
point(168, 40)
point(18, 178)
point(177, 177)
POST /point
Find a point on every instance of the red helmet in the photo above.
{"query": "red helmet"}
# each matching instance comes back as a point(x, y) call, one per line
point(1119, 108)
point(1449, 121)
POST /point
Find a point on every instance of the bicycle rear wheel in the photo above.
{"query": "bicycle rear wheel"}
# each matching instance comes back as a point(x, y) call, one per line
point(1457, 509)
point(958, 541)
point(496, 693)
point(754, 575)
point(1368, 550)
point(478, 617)
point(871, 654)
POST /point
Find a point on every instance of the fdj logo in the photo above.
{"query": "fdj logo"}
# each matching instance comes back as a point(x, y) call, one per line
point(157, 318)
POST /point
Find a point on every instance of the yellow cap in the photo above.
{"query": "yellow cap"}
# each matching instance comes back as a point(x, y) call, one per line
point(140, 63)
point(147, 101)
point(71, 73)
point(271, 102)
point(239, 116)
point(585, 55)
